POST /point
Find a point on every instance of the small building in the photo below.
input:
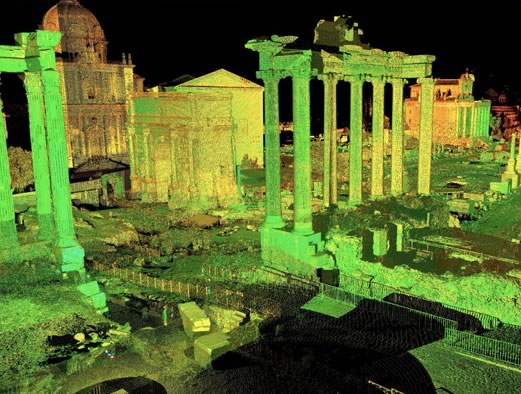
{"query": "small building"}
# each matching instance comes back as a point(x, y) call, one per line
point(247, 99)
point(181, 149)
point(457, 117)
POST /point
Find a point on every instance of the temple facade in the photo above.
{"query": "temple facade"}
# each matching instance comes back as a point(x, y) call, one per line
point(457, 117)
point(96, 93)
point(342, 57)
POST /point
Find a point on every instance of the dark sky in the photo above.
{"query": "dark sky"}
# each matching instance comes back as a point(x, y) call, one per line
point(169, 38)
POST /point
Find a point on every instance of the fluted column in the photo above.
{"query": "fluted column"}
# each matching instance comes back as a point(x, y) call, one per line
point(273, 217)
point(355, 141)
point(302, 155)
point(377, 161)
point(8, 235)
point(70, 252)
point(397, 138)
point(42, 180)
point(425, 141)
point(330, 125)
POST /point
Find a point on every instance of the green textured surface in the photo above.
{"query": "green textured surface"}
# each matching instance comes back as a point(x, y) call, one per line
point(327, 306)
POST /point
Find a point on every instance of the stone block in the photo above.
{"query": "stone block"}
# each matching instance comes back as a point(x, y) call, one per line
point(89, 289)
point(380, 244)
point(99, 300)
point(208, 347)
point(194, 319)
point(504, 187)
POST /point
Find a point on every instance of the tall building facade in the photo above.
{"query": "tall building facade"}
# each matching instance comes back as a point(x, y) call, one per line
point(96, 92)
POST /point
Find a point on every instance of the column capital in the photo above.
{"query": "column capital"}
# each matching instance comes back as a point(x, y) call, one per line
point(32, 82)
point(379, 80)
point(301, 74)
point(428, 81)
point(355, 79)
point(332, 77)
point(395, 81)
point(270, 75)
point(51, 80)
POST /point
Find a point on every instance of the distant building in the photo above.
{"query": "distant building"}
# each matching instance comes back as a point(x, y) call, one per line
point(505, 111)
point(457, 116)
point(96, 92)
point(181, 149)
point(247, 110)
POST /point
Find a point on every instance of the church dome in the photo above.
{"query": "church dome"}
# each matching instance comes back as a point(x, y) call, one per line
point(83, 38)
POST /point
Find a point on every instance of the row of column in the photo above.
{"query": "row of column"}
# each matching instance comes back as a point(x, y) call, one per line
point(301, 143)
point(50, 165)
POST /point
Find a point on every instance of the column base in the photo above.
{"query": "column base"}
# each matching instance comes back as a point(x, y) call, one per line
point(8, 235)
point(302, 228)
point(45, 227)
point(353, 203)
point(274, 221)
point(396, 193)
point(378, 197)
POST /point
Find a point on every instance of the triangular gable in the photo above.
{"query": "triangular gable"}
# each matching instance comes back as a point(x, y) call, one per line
point(221, 78)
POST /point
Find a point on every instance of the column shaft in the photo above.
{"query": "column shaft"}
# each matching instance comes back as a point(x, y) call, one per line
point(301, 156)
point(329, 167)
point(355, 142)
point(272, 146)
point(333, 135)
point(57, 145)
point(8, 235)
point(425, 149)
point(42, 180)
point(377, 161)
point(397, 139)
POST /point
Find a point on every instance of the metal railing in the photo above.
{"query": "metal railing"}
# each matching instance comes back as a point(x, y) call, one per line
point(415, 243)
point(185, 289)
point(484, 346)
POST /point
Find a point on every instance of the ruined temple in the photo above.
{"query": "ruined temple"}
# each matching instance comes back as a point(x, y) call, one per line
point(96, 92)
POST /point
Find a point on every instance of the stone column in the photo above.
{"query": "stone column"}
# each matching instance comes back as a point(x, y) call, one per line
point(330, 126)
point(377, 161)
point(518, 161)
point(69, 252)
point(355, 141)
point(272, 147)
point(425, 150)
point(42, 180)
point(397, 138)
point(8, 235)
point(303, 223)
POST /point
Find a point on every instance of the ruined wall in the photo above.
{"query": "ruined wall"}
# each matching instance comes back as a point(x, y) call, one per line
point(487, 293)
point(183, 149)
